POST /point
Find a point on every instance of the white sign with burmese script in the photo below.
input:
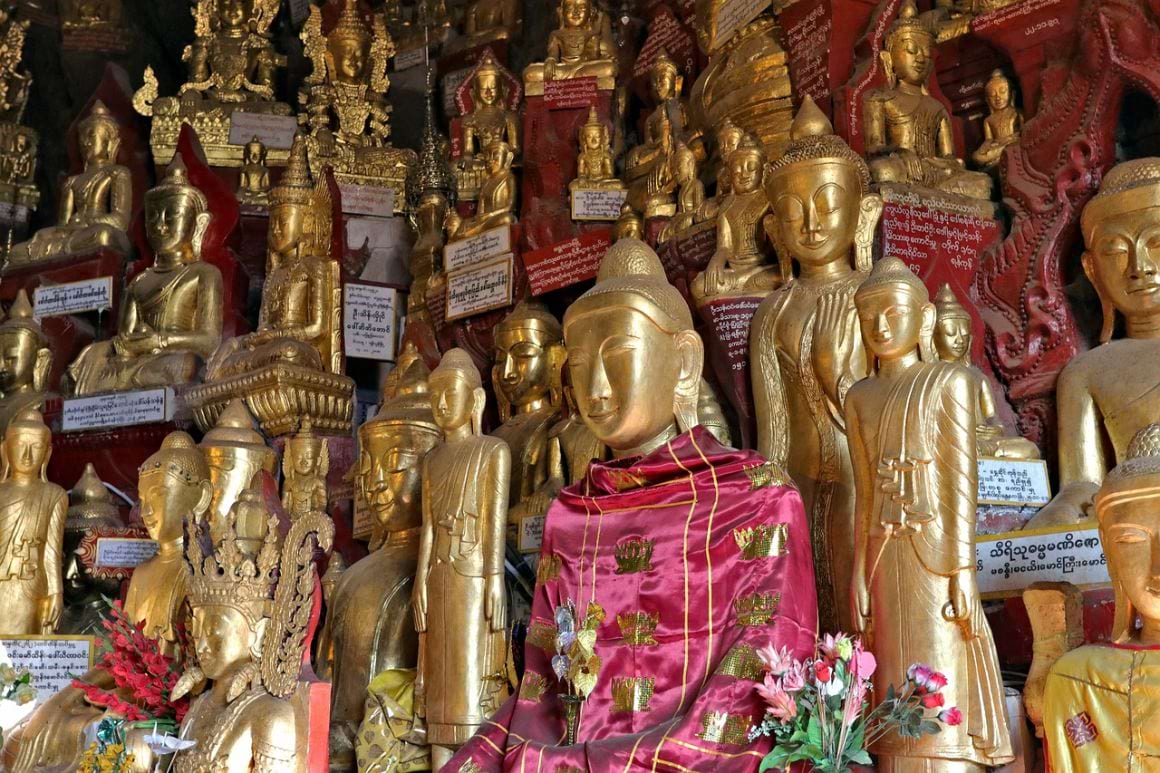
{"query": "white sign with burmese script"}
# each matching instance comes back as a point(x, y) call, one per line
point(480, 288)
point(117, 409)
point(1008, 563)
point(53, 661)
point(373, 200)
point(72, 297)
point(1013, 482)
point(592, 204)
point(275, 131)
point(368, 321)
point(124, 552)
point(474, 249)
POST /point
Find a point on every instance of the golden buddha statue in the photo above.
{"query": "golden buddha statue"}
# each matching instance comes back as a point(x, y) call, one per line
point(18, 163)
point(581, 47)
point(908, 132)
point(26, 362)
point(497, 195)
point(459, 602)
point(1106, 395)
point(594, 167)
point(488, 20)
point(1097, 701)
point(739, 264)
point(254, 177)
point(805, 347)
point(173, 484)
point(249, 617)
point(729, 138)
point(648, 167)
point(1004, 124)
point(236, 453)
point(913, 595)
point(690, 192)
point(430, 218)
point(489, 121)
point(305, 464)
point(90, 510)
point(96, 205)
point(89, 15)
point(574, 443)
point(15, 81)
point(171, 315)
point(295, 356)
point(952, 341)
point(368, 628)
point(629, 225)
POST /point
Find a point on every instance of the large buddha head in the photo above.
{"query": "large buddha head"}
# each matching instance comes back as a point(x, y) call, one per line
point(172, 485)
point(529, 360)
point(235, 452)
point(26, 448)
point(25, 351)
point(1121, 232)
point(909, 51)
point(99, 136)
point(176, 215)
point(457, 395)
point(631, 345)
point(819, 192)
point(895, 312)
point(348, 44)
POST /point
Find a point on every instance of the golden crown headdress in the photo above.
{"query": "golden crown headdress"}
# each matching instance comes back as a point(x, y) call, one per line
point(295, 187)
point(350, 24)
point(227, 574)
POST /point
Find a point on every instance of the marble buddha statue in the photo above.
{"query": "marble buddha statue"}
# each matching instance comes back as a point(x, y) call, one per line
point(90, 510)
point(1097, 698)
point(369, 628)
point(497, 195)
point(805, 346)
point(254, 177)
point(913, 592)
point(235, 452)
point(908, 131)
point(96, 205)
point(485, 21)
point(490, 120)
point(581, 47)
point(305, 464)
point(952, 342)
point(1106, 395)
point(648, 167)
point(631, 546)
point(1002, 126)
point(26, 361)
point(171, 314)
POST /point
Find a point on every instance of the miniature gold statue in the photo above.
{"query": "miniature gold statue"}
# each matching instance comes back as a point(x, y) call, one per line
point(459, 602)
point(952, 341)
point(90, 14)
point(497, 194)
point(805, 347)
point(1096, 702)
point(90, 510)
point(254, 178)
point(26, 361)
point(18, 148)
point(629, 225)
point(729, 138)
point(594, 169)
point(95, 205)
point(581, 47)
point(908, 132)
point(738, 266)
point(430, 217)
point(1002, 127)
point(649, 167)
point(1106, 395)
point(911, 430)
point(171, 315)
point(236, 453)
point(15, 82)
point(690, 192)
point(232, 60)
point(487, 20)
point(489, 121)
point(305, 464)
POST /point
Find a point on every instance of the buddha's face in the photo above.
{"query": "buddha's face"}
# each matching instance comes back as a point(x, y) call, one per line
point(522, 363)
point(392, 481)
point(1131, 539)
point(303, 456)
point(575, 13)
point(232, 13)
point(911, 57)
point(745, 169)
point(952, 338)
point(18, 352)
point(998, 94)
point(1123, 260)
point(231, 469)
point(287, 223)
point(350, 57)
point(21, 143)
point(430, 212)
point(892, 318)
point(592, 138)
point(816, 207)
point(487, 88)
point(255, 154)
point(729, 141)
point(27, 449)
point(165, 500)
point(624, 371)
point(97, 140)
point(664, 83)
point(222, 639)
point(452, 400)
point(170, 222)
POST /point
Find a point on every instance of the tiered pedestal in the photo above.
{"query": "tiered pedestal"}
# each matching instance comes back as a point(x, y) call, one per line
point(279, 396)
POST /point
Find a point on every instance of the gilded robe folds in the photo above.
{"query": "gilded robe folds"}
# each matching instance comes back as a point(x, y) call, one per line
point(698, 555)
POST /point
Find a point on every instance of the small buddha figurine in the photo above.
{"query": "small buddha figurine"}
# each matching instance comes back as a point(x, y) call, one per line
point(15, 80)
point(459, 602)
point(248, 630)
point(235, 452)
point(95, 206)
point(690, 192)
point(26, 362)
point(90, 510)
point(32, 516)
point(729, 138)
point(486, 21)
point(1107, 394)
point(649, 167)
point(581, 47)
point(489, 121)
point(1097, 698)
point(805, 347)
point(594, 168)
point(1002, 127)
point(629, 225)
point(254, 177)
point(231, 59)
point(908, 132)
point(305, 464)
point(952, 341)
point(427, 252)
point(738, 265)
point(497, 194)
point(913, 594)
point(171, 315)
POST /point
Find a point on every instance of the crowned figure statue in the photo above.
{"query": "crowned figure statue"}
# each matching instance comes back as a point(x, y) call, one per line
point(494, 115)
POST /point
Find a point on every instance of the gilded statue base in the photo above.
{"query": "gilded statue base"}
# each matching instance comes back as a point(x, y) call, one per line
point(379, 167)
point(211, 121)
point(279, 397)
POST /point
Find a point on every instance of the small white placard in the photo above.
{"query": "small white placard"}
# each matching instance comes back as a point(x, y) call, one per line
point(1008, 563)
point(590, 204)
point(13, 213)
point(1013, 482)
point(531, 533)
point(480, 247)
point(124, 552)
point(450, 84)
point(72, 297)
point(480, 288)
point(275, 131)
point(117, 409)
point(53, 661)
point(367, 200)
point(368, 321)
point(412, 57)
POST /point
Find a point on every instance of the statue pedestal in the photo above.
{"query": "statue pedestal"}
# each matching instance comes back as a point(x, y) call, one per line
point(279, 396)
point(343, 453)
point(726, 321)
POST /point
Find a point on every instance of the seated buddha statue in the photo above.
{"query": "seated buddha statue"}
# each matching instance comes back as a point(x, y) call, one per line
point(497, 195)
point(648, 167)
point(489, 120)
point(96, 205)
point(908, 131)
point(690, 192)
point(1109, 393)
point(685, 555)
point(594, 166)
point(171, 314)
point(254, 176)
point(1004, 124)
point(1097, 698)
point(26, 362)
point(581, 47)
point(232, 59)
point(488, 20)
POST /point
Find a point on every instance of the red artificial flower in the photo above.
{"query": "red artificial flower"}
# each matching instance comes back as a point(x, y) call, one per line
point(823, 671)
point(932, 700)
point(936, 681)
point(951, 716)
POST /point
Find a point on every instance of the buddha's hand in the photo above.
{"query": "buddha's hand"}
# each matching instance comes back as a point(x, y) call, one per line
point(714, 274)
point(43, 738)
point(1069, 506)
point(861, 599)
point(495, 602)
point(50, 609)
point(960, 608)
point(419, 606)
point(835, 323)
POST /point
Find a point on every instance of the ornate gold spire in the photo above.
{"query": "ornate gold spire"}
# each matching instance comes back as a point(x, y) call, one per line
point(350, 24)
point(947, 305)
point(812, 138)
point(433, 172)
point(295, 187)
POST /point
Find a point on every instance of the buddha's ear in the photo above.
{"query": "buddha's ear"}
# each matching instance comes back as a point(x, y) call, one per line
point(478, 403)
point(691, 354)
point(41, 369)
point(200, 225)
point(926, 350)
point(887, 67)
point(1106, 306)
point(869, 213)
point(203, 501)
point(3, 460)
point(44, 464)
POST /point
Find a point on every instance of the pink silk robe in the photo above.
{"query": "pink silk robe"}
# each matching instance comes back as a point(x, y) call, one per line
point(698, 555)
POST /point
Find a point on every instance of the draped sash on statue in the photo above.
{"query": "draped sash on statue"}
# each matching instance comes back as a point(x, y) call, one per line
point(697, 555)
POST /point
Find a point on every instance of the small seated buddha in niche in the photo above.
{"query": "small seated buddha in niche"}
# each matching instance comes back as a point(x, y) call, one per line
point(95, 205)
point(649, 167)
point(489, 20)
point(594, 167)
point(171, 316)
point(908, 131)
point(254, 178)
point(952, 341)
point(497, 196)
point(489, 120)
point(581, 47)
point(25, 361)
point(1003, 126)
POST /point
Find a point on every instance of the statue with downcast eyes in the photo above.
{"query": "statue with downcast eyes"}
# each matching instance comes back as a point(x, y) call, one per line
point(1003, 126)
point(581, 47)
point(25, 361)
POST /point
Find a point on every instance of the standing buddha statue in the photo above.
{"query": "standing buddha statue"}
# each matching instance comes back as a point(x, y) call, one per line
point(581, 47)
point(96, 205)
point(490, 120)
point(806, 349)
point(171, 315)
point(1003, 126)
point(254, 177)
point(913, 594)
point(90, 511)
point(305, 464)
point(459, 602)
point(25, 361)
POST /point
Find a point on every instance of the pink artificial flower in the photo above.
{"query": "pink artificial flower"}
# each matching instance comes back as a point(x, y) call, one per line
point(768, 688)
point(829, 646)
point(794, 679)
point(863, 664)
point(919, 674)
point(932, 700)
point(822, 671)
point(777, 662)
point(936, 681)
point(951, 716)
point(854, 700)
point(782, 706)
